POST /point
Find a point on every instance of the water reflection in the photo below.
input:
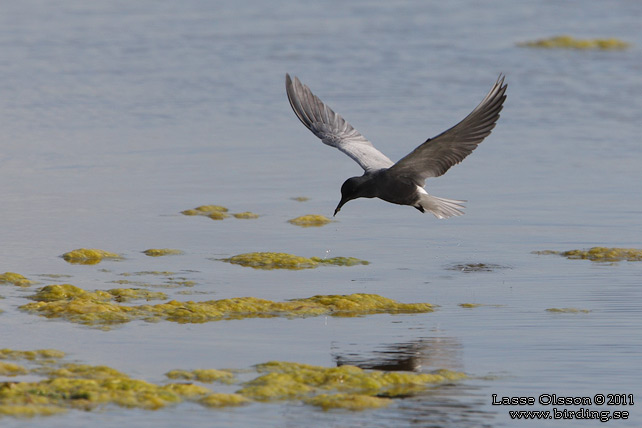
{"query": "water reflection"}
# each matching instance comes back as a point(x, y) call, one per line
point(476, 267)
point(421, 354)
point(443, 405)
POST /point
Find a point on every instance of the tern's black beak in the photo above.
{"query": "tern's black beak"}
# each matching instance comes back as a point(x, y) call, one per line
point(343, 201)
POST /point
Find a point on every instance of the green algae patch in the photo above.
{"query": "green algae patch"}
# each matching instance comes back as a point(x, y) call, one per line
point(202, 375)
point(36, 355)
point(29, 410)
point(246, 215)
point(82, 371)
point(275, 386)
point(599, 254)
point(223, 400)
point(605, 254)
point(270, 260)
point(87, 394)
point(11, 369)
point(364, 304)
point(286, 380)
point(101, 308)
point(82, 311)
point(55, 292)
point(87, 387)
point(15, 279)
point(58, 292)
point(205, 210)
point(85, 307)
point(568, 310)
point(158, 252)
point(217, 216)
point(127, 294)
point(89, 256)
point(83, 387)
point(310, 220)
point(340, 261)
point(230, 309)
point(470, 305)
point(215, 212)
point(348, 401)
point(569, 42)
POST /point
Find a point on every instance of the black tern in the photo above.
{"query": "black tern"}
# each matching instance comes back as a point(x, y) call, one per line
point(402, 182)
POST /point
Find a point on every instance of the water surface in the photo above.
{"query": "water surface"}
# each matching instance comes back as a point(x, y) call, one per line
point(116, 116)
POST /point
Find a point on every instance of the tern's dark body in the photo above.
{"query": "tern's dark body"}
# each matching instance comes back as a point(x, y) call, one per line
point(383, 185)
point(402, 182)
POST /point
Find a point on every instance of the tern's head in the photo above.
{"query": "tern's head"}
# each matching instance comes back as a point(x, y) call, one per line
point(353, 188)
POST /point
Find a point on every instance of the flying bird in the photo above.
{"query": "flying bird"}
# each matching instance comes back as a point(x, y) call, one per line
point(402, 182)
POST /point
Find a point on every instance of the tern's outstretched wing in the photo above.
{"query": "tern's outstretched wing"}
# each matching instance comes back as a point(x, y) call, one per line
point(434, 157)
point(331, 128)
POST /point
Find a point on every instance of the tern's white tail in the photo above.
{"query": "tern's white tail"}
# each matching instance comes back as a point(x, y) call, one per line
point(441, 207)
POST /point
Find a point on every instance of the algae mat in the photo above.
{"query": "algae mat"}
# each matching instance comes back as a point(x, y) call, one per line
point(67, 385)
point(103, 308)
point(270, 260)
point(599, 254)
point(569, 42)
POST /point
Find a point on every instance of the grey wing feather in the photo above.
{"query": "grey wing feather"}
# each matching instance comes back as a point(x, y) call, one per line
point(434, 157)
point(331, 128)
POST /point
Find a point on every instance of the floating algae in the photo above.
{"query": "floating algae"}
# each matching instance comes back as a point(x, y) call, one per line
point(56, 394)
point(88, 387)
point(223, 400)
point(29, 410)
point(348, 401)
point(568, 310)
point(202, 375)
point(157, 252)
point(100, 308)
point(88, 256)
point(470, 305)
point(599, 254)
point(51, 293)
point(275, 386)
point(310, 220)
point(11, 369)
point(286, 380)
point(364, 304)
point(270, 260)
point(81, 371)
point(569, 42)
point(36, 355)
point(215, 212)
point(86, 307)
point(15, 279)
point(300, 198)
point(205, 210)
point(246, 215)
point(340, 261)
point(127, 294)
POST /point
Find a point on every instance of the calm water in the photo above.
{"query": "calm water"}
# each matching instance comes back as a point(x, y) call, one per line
point(115, 116)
